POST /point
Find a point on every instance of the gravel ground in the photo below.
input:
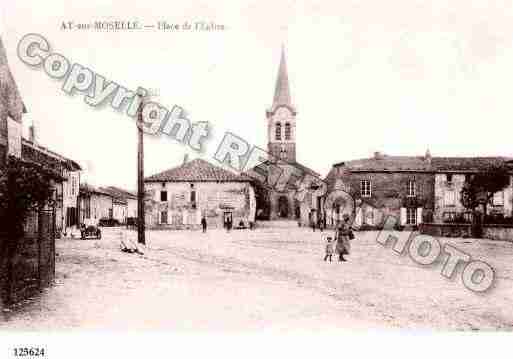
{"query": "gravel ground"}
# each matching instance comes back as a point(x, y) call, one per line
point(267, 279)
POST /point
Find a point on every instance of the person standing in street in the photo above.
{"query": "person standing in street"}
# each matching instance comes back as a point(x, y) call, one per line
point(204, 224)
point(329, 249)
point(342, 235)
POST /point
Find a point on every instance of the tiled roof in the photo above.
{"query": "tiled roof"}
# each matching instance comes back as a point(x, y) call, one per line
point(120, 192)
point(294, 164)
point(11, 103)
point(388, 163)
point(385, 163)
point(197, 170)
point(34, 152)
point(470, 164)
point(87, 188)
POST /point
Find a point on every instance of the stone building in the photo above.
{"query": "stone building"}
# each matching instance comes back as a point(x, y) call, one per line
point(413, 189)
point(284, 200)
point(128, 198)
point(179, 197)
point(400, 186)
point(106, 203)
point(12, 109)
point(66, 188)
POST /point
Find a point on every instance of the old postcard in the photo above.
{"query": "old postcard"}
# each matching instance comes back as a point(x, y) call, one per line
point(179, 178)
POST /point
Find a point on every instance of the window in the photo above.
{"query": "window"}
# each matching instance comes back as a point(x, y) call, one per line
point(411, 216)
point(498, 198)
point(365, 188)
point(449, 178)
point(450, 198)
point(278, 132)
point(163, 196)
point(287, 131)
point(73, 185)
point(163, 217)
point(410, 190)
point(87, 205)
point(467, 178)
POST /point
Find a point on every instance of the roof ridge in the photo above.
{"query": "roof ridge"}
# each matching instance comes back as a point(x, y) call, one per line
point(197, 170)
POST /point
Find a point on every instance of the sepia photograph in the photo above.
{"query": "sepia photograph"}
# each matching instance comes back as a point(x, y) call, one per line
point(255, 178)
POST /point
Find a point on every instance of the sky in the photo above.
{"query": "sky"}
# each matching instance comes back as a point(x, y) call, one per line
point(397, 77)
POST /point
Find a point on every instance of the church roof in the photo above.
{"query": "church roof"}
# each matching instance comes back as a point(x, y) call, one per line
point(197, 170)
point(282, 88)
point(11, 103)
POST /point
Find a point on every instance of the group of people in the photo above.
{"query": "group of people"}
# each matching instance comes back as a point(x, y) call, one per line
point(228, 224)
point(319, 224)
point(343, 236)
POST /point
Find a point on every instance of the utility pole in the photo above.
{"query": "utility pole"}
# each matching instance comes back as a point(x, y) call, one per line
point(140, 175)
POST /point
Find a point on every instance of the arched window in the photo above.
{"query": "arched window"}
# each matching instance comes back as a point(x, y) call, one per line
point(287, 131)
point(278, 132)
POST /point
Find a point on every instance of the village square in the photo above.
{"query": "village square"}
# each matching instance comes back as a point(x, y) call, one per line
point(252, 249)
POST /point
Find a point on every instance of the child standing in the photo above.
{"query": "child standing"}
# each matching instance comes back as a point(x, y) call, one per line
point(329, 249)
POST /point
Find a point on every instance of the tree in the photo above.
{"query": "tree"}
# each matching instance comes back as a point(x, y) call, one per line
point(479, 189)
point(24, 186)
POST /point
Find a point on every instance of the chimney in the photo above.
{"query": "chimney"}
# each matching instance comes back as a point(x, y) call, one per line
point(427, 157)
point(378, 155)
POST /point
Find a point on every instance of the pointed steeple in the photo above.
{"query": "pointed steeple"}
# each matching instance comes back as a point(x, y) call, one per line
point(282, 89)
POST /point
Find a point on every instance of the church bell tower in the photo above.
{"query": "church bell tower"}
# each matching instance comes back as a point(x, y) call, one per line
point(281, 118)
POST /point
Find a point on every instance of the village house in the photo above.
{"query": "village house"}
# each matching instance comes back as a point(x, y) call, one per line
point(94, 204)
point(400, 186)
point(106, 203)
point(66, 190)
point(129, 200)
point(414, 189)
point(12, 109)
point(67, 178)
point(181, 196)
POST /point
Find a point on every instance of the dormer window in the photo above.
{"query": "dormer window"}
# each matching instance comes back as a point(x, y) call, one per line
point(278, 132)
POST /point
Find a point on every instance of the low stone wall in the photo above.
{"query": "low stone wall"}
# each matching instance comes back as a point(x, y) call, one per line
point(501, 232)
point(446, 229)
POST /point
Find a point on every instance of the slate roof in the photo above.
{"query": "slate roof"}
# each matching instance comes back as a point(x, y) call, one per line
point(387, 163)
point(282, 88)
point(197, 170)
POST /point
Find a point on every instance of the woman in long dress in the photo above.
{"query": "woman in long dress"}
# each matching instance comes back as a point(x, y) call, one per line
point(343, 244)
